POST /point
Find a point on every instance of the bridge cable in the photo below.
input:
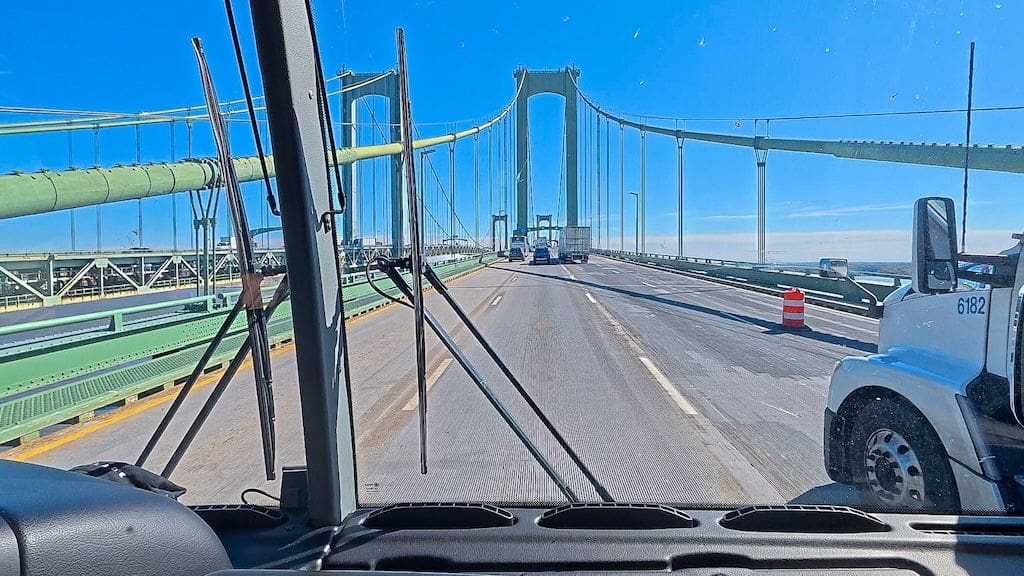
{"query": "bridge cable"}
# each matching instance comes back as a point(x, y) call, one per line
point(967, 147)
point(448, 202)
point(271, 201)
point(330, 160)
point(622, 189)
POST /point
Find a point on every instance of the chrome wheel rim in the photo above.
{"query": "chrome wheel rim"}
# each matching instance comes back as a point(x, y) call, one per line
point(894, 473)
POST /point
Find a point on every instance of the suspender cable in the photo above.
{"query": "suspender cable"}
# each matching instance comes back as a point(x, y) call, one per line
point(622, 192)
point(643, 191)
point(451, 185)
point(599, 180)
point(967, 148)
point(271, 201)
point(679, 215)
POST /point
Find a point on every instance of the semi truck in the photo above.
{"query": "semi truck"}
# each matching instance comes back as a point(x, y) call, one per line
point(935, 419)
point(574, 244)
point(519, 242)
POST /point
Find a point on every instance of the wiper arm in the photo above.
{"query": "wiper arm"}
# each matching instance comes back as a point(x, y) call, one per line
point(186, 388)
point(280, 294)
point(442, 289)
point(251, 299)
point(390, 267)
point(420, 268)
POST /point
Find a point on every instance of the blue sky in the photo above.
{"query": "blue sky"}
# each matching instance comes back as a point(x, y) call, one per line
point(693, 60)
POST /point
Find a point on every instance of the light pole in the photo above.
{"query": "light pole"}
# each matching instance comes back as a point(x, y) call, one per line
point(636, 222)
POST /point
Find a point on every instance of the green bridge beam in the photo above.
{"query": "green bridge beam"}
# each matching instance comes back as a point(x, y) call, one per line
point(996, 158)
point(22, 194)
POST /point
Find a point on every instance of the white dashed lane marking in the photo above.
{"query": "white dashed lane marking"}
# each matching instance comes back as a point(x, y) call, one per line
point(672, 391)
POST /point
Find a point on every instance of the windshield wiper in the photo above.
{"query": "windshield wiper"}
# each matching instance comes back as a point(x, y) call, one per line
point(391, 268)
point(251, 295)
point(250, 299)
point(419, 270)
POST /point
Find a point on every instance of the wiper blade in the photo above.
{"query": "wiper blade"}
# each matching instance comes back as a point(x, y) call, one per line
point(251, 297)
point(416, 293)
point(420, 268)
point(390, 267)
point(442, 289)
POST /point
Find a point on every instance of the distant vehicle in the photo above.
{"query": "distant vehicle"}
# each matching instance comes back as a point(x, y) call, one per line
point(833, 268)
point(574, 244)
point(140, 249)
point(519, 242)
point(542, 255)
point(516, 253)
point(542, 243)
point(227, 242)
point(364, 242)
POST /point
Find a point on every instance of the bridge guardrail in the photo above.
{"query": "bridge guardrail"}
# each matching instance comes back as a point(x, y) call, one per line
point(69, 378)
point(839, 293)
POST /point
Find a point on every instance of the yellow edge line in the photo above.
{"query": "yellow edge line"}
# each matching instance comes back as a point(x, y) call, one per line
point(39, 446)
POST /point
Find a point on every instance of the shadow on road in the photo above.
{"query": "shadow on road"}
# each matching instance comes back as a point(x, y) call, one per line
point(771, 328)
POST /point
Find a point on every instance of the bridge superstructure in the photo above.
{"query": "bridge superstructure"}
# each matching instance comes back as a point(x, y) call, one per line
point(505, 167)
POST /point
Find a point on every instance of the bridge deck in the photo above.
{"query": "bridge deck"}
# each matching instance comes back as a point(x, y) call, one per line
point(670, 387)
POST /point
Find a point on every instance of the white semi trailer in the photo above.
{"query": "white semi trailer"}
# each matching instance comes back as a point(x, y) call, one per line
point(574, 244)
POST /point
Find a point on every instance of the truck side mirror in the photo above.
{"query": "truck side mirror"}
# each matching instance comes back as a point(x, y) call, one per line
point(834, 268)
point(934, 254)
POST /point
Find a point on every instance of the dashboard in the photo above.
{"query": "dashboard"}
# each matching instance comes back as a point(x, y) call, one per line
point(54, 522)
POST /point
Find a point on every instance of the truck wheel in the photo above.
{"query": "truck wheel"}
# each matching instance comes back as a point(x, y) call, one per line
point(898, 460)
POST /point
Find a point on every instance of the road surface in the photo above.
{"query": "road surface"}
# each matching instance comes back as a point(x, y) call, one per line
point(670, 388)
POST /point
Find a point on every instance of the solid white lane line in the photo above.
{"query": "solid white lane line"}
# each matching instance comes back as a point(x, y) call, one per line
point(496, 300)
point(591, 298)
point(434, 377)
point(672, 391)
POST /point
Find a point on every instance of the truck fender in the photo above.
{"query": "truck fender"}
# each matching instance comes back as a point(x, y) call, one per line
point(928, 385)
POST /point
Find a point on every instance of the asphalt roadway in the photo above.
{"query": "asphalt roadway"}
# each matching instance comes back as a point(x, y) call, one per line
point(670, 388)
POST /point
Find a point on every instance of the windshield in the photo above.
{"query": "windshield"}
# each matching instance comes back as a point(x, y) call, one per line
point(676, 226)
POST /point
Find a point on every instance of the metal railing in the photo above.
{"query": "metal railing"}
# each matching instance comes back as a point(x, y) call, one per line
point(860, 294)
point(109, 358)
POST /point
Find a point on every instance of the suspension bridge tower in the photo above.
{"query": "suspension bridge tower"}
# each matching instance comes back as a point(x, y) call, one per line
point(356, 86)
point(533, 82)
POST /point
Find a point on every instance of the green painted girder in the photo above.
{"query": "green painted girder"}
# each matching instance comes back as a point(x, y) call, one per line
point(22, 194)
point(992, 157)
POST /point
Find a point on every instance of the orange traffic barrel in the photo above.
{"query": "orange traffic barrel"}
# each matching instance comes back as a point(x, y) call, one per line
point(793, 309)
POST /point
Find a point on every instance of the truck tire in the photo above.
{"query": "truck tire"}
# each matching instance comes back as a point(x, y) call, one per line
point(898, 461)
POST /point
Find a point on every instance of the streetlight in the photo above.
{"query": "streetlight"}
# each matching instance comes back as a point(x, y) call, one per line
point(636, 222)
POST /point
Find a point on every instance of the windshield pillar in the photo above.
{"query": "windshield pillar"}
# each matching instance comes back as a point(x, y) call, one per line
point(284, 40)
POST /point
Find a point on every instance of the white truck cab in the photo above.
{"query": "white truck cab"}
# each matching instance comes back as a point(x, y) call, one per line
point(933, 421)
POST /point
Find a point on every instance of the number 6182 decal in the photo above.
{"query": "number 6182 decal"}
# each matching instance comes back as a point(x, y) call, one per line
point(970, 305)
